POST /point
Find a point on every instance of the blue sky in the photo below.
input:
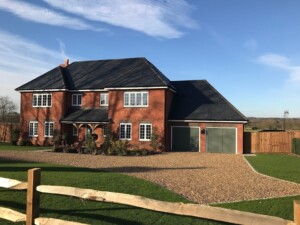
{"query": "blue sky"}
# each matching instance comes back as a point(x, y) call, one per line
point(248, 50)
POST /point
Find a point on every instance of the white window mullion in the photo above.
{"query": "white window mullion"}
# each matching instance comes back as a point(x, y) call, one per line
point(145, 132)
point(125, 131)
point(33, 129)
point(136, 99)
point(76, 99)
point(48, 129)
point(42, 100)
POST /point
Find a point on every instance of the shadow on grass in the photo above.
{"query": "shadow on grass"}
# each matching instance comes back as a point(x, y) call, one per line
point(20, 207)
point(143, 169)
point(61, 168)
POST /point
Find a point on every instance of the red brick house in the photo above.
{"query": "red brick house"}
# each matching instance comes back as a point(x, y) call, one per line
point(136, 99)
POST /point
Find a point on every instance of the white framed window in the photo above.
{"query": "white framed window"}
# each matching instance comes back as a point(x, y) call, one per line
point(48, 129)
point(33, 129)
point(125, 131)
point(104, 99)
point(145, 131)
point(76, 99)
point(135, 99)
point(42, 100)
point(75, 131)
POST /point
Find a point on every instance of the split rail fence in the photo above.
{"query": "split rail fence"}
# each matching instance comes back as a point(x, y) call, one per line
point(34, 189)
point(269, 142)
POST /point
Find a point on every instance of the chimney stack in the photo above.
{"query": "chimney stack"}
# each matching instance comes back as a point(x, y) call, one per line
point(66, 63)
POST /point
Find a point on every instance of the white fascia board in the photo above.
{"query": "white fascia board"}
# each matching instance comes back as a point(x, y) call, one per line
point(71, 122)
point(87, 90)
point(43, 90)
point(135, 88)
point(207, 121)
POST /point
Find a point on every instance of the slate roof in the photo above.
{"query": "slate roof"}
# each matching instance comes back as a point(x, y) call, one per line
point(87, 115)
point(198, 100)
point(100, 74)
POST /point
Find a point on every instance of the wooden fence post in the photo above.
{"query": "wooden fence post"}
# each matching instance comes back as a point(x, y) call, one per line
point(297, 212)
point(33, 196)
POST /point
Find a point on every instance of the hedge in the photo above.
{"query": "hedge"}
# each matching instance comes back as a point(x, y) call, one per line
point(296, 146)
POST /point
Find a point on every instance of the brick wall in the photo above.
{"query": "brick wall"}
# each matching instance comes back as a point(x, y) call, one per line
point(41, 114)
point(154, 114)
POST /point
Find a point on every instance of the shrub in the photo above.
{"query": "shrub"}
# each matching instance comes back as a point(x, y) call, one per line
point(15, 134)
point(154, 140)
point(90, 143)
point(108, 139)
point(296, 146)
point(118, 148)
point(56, 137)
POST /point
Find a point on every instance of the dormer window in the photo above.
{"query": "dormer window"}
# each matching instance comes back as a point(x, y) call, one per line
point(136, 99)
point(104, 99)
point(76, 99)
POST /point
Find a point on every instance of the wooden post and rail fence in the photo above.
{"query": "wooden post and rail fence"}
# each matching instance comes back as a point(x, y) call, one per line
point(34, 189)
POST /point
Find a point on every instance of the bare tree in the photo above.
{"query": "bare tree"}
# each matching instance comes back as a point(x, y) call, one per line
point(7, 110)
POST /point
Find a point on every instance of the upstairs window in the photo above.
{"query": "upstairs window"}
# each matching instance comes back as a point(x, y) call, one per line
point(125, 131)
point(136, 99)
point(76, 99)
point(42, 100)
point(104, 99)
point(48, 129)
point(33, 129)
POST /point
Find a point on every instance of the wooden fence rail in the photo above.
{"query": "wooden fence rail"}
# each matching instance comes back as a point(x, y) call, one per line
point(269, 142)
point(194, 210)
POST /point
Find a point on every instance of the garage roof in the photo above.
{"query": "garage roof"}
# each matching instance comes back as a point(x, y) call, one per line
point(199, 100)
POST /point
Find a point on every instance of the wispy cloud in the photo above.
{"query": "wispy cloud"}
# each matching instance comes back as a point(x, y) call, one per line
point(251, 44)
point(62, 47)
point(23, 60)
point(216, 35)
point(158, 18)
point(43, 15)
point(283, 63)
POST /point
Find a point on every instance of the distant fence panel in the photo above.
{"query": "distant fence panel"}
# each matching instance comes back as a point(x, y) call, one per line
point(269, 142)
point(5, 131)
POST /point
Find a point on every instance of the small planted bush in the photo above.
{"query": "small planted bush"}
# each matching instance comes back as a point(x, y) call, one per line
point(15, 134)
point(296, 146)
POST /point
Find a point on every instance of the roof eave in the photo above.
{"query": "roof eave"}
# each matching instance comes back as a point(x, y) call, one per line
point(210, 121)
point(41, 90)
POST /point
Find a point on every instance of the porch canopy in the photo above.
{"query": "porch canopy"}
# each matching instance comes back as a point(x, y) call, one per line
point(92, 117)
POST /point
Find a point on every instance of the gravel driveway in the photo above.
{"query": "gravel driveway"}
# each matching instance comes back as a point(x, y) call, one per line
point(203, 178)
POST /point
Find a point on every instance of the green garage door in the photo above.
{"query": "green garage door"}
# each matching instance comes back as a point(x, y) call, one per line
point(185, 139)
point(221, 140)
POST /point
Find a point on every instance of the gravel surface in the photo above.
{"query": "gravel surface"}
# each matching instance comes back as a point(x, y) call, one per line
point(203, 178)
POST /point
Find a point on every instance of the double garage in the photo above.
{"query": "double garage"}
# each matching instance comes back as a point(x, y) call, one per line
point(216, 139)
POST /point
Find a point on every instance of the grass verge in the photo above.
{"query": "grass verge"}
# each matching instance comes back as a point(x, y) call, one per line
point(10, 147)
point(279, 207)
point(282, 166)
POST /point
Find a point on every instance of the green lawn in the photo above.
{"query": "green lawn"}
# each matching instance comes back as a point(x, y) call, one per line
point(9, 147)
point(282, 166)
point(73, 209)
